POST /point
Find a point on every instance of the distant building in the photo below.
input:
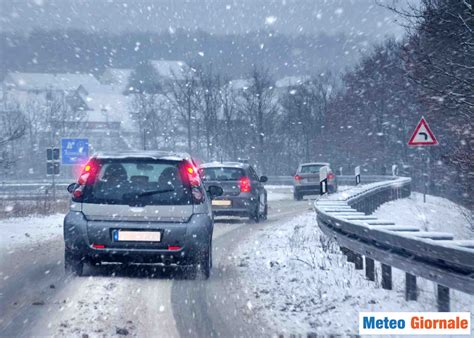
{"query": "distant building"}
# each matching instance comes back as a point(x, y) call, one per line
point(116, 78)
point(101, 108)
point(44, 82)
point(168, 70)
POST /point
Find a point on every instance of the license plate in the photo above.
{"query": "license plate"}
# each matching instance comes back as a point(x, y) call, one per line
point(313, 179)
point(222, 203)
point(137, 236)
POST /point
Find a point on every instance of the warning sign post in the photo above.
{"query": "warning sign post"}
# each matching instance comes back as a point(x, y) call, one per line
point(423, 137)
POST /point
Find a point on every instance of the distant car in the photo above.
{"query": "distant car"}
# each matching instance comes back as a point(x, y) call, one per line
point(148, 207)
point(306, 180)
point(244, 194)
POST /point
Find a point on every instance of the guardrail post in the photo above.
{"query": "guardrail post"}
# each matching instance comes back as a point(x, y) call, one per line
point(369, 268)
point(386, 277)
point(351, 256)
point(410, 287)
point(443, 298)
point(359, 263)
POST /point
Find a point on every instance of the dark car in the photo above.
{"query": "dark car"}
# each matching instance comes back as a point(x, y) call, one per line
point(148, 207)
point(244, 194)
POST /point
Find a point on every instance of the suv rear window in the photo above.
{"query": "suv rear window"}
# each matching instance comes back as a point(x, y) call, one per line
point(311, 169)
point(222, 174)
point(138, 181)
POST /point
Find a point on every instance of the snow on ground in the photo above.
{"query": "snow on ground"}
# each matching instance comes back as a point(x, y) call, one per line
point(437, 214)
point(279, 192)
point(28, 230)
point(305, 285)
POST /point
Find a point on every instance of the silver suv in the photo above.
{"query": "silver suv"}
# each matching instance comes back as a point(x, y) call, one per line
point(140, 208)
point(306, 180)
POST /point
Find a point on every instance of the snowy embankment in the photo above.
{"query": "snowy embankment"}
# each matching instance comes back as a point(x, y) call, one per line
point(437, 214)
point(299, 282)
point(28, 230)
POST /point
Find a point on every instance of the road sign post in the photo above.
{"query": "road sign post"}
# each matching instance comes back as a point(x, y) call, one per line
point(357, 174)
point(52, 167)
point(323, 180)
point(422, 137)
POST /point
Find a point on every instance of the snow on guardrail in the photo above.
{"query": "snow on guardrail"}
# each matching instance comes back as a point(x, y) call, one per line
point(435, 256)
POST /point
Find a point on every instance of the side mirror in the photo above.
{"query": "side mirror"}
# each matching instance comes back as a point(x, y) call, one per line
point(215, 191)
point(263, 179)
point(71, 187)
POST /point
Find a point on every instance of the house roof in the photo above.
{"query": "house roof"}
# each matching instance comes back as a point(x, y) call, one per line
point(118, 76)
point(109, 107)
point(51, 81)
point(170, 69)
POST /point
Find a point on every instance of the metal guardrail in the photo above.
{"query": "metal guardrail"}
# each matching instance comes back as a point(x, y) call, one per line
point(341, 179)
point(431, 255)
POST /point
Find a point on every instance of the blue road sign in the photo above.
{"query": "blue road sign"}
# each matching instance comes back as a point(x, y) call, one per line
point(74, 150)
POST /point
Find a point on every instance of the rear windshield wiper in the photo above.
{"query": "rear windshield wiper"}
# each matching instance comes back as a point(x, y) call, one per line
point(149, 193)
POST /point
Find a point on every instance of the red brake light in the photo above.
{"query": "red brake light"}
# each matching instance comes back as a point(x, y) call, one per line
point(189, 175)
point(174, 247)
point(98, 246)
point(245, 185)
point(331, 176)
point(191, 178)
point(89, 173)
point(297, 177)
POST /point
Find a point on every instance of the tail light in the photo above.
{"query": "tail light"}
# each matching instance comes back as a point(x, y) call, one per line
point(190, 177)
point(87, 177)
point(297, 178)
point(89, 173)
point(245, 185)
point(331, 176)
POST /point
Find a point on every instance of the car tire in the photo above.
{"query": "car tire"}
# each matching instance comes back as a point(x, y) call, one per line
point(265, 212)
point(256, 216)
point(202, 269)
point(72, 264)
point(298, 196)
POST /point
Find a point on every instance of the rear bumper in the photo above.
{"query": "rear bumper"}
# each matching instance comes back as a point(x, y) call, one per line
point(306, 189)
point(181, 257)
point(312, 189)
point(241, 206)
point(192, 237)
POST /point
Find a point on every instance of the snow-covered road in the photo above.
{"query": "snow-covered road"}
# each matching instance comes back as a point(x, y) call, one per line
point(37, 298)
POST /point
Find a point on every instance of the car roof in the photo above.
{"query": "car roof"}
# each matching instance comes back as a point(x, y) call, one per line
point(161, 155)
point(314, 163)
point(225, 164)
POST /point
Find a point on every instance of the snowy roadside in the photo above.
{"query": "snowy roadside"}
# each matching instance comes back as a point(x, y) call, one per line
point(305, 285)
point(28, 230)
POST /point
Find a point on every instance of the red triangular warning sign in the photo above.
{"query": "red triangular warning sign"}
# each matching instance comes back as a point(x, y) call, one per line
point(422, 136)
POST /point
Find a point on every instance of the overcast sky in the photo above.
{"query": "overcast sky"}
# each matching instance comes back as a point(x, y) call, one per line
point(215, 16)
